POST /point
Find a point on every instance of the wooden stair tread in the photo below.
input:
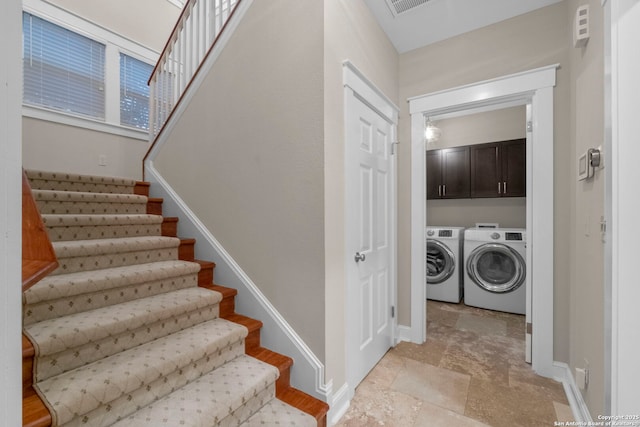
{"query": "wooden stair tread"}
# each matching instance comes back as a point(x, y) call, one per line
point(247, 322)
point(34, 412)
point(306, 403)
point(278, 360)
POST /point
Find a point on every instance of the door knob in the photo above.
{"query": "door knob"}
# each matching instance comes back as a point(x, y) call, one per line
point(359, 257)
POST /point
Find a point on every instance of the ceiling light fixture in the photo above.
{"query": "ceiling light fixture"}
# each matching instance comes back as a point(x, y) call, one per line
point(431, 132)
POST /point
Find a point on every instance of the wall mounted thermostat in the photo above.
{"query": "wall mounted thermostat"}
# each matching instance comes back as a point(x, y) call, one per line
point(587, 163)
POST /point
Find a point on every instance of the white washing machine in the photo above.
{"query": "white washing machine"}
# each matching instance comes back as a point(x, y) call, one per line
point(495, 269)
point(444, 263)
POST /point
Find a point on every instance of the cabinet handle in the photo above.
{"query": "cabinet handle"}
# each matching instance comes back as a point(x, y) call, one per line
point(504, 187)
point(444, 189)
point(499, 192)
point(440, 190)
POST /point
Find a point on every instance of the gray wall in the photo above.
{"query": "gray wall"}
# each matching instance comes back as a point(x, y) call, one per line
point(491, 126)
point(536, 39)
point(247, 158)
point(58, 147)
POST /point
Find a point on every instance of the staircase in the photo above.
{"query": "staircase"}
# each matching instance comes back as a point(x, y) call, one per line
point(130, 329)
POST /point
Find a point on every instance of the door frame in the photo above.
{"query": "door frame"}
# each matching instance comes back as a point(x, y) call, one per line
point(534, 87)
point(621, 150)
point(358, 87)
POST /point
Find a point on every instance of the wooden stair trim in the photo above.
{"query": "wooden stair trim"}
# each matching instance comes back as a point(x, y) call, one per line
point(142, 188)
point(154, 205)
point(280, 361)
point(38, 256)
point(228, 303)
point(186, 250)
point(306, 403)
point(35, 412)
point(169, 226)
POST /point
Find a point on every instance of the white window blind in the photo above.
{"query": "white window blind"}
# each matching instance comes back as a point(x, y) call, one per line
point(63, 70)
point(134, 92)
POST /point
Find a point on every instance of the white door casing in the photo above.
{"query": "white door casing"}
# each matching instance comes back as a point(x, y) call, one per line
point(622, 151)
point(534, 87)
point(370, 129)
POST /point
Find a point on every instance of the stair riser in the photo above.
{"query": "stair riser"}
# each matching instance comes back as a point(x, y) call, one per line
point(85, 187)
point(131, 400)
point(66, 233)
point(86, 208)
point(96, 262)
point(48, 366)
point(62, 307)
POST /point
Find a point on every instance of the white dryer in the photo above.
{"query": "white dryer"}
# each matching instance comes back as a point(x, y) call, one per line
point(495, 269)
point(444, 263)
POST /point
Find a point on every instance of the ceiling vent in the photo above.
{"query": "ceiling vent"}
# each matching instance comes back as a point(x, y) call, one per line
point(400, 6)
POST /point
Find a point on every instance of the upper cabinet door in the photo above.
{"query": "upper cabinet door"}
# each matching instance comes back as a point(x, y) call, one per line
point(455, 173)
point(434, 174)
point(486, 170)
point(514, 168)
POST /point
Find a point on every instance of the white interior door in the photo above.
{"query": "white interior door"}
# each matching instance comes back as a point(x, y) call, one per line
point(369, 200)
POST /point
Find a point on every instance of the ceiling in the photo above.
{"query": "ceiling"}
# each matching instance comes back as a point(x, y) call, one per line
point(436, 20)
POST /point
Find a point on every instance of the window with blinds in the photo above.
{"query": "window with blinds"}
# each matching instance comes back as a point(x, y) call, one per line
point(63, 70)
point(134, 92)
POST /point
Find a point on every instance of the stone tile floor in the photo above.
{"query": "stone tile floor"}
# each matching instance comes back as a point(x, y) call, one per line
point(470, 372)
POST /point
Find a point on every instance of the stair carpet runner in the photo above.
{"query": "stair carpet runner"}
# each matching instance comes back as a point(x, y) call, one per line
point(123, 335)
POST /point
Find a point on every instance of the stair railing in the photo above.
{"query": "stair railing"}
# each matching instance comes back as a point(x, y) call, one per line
point(196, 32)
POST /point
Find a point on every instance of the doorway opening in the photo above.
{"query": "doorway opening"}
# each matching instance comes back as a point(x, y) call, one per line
point(534, 89)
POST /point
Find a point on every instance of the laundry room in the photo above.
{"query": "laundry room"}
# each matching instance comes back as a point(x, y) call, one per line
point(476, 220)
point(467, 209)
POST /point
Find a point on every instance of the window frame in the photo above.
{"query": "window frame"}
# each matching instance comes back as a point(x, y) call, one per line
point(115, 44)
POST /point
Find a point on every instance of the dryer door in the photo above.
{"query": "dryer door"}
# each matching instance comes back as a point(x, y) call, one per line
point(440, 262)
point(496, 268)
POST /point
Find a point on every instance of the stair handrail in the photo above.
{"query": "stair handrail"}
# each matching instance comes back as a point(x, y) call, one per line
point(38, 256)
point(195, 33)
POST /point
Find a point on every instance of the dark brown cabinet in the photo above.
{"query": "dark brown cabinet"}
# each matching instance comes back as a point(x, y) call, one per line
point(498, 169)
point(448, 173)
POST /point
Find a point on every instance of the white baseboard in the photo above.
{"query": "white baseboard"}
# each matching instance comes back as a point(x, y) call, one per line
point(562, 373)
point(404, 333)
point(339, 405)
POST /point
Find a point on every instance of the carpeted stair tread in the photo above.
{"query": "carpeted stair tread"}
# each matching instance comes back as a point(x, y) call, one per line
point(89, 227)
point(65, 343)
point(100, 393)
point(77, 202)
point(87, 290)
point(54, 220)
point(81, 255)
point(224, 397)
point(60, 181)
point(112, 246)
point(277, 413)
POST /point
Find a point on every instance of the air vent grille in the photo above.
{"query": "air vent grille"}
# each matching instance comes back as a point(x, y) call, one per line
point(400, 6)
